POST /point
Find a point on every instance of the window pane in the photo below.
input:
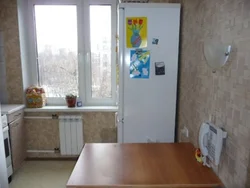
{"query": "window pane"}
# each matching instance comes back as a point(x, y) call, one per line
point(56, 32)
point(100, 39)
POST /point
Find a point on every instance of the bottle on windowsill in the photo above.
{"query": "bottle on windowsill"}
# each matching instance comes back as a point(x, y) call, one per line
point(79, 102)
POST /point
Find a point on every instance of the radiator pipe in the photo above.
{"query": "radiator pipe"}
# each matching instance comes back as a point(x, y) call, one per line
point(53, 116)
point(38, 117)
point(40, 151)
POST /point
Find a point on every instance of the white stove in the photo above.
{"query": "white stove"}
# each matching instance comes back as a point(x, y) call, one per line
point(6, 139)
point(4, 121)
point(3, 169)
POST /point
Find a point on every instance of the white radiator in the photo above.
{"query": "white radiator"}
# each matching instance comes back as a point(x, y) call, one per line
point(71, 134)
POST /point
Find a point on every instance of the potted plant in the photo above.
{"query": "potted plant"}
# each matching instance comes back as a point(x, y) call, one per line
point(71, 100)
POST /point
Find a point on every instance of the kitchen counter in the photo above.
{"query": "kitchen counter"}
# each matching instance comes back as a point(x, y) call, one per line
point(11, 108)
point(141, 165)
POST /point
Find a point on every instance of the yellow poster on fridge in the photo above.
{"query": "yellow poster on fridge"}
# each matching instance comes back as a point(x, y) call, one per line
point(136, 29)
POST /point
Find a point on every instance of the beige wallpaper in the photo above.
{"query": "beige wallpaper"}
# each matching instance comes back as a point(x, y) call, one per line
point(9, 25)
point(224, 94)
point(43, 134)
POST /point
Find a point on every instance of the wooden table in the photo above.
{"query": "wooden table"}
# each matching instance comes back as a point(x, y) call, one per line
point(140, 166)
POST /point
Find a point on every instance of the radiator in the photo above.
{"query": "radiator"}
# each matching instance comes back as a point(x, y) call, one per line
point(71, 134)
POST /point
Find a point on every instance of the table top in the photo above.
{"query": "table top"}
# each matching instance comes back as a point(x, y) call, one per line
point(140, 165)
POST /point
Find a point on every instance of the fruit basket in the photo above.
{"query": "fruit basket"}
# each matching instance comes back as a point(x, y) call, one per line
point(35, 97)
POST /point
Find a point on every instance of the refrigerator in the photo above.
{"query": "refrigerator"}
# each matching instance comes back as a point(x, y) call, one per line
point(3, 168)
point(148, 68)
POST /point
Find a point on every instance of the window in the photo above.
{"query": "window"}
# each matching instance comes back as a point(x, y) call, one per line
point(100, 42)
point(57, 49)
point(71, 54)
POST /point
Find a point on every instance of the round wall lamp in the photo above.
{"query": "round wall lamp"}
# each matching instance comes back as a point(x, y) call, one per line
point(216, 54)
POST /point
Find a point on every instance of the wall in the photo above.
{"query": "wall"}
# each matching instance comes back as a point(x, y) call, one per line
point(224, 94)
point(44, 134)
point(3, 84)
point(9, 25)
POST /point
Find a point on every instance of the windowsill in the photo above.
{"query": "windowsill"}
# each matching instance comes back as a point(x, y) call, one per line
point(76, 109)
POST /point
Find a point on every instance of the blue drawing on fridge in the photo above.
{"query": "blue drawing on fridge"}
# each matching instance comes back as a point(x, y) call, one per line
point(139, 64)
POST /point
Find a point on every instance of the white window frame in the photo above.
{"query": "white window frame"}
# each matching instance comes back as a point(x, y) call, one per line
point(87, 47)
point(83, 33)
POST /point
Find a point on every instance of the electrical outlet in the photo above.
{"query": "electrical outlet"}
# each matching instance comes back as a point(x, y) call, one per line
point(185, 131)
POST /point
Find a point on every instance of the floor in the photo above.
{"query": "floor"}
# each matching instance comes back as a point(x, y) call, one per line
point(43, 174)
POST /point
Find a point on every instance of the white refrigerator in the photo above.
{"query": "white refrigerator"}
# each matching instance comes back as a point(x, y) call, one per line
point(3, 168)
point(148, 68)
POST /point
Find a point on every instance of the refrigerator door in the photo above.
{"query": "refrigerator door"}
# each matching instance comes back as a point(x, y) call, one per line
point(3, 168)
point(148, 105)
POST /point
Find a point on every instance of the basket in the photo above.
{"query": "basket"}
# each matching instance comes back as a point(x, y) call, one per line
point(35, 97)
